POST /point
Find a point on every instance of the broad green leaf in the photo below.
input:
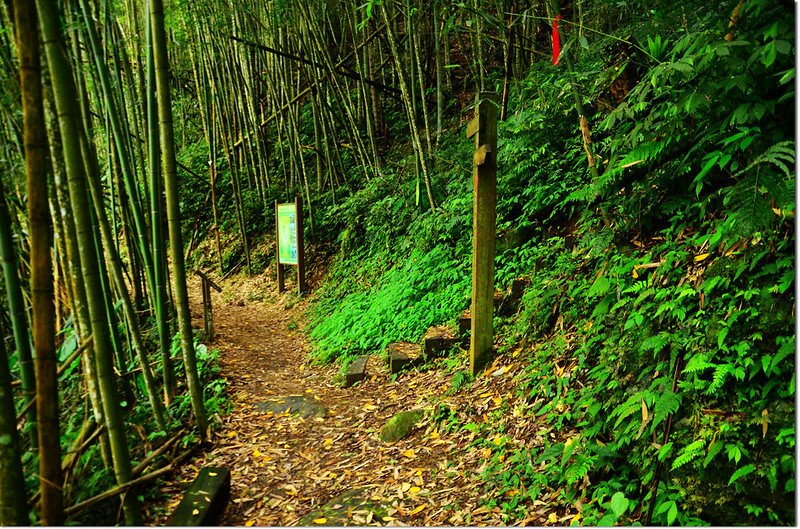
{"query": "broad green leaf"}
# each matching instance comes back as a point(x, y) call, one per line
point(619, 504)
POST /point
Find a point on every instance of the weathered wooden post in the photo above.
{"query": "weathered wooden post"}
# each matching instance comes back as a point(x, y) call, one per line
point(289, 247)
point(484, 179)
point(208, 317)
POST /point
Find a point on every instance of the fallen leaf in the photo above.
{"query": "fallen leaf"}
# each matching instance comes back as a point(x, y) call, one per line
point(552, 518)
point(701, 257)
point(195, 512)
point(417, 510)
point(320, 521)
point(249, 523)
point(408, 453)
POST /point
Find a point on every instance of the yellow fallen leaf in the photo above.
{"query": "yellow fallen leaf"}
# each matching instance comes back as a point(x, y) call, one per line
point(497, 401)
point(484, 395)
point(212, 474)
point(487, 452)
point(414, 490)
point(576, 518)
point(635, 274)
point(701, 257)
point(327, 442)
point(435, 434)
point(320, 521)
point(370, 407)
point(552, 518)
point(408, 453)
point(195, 512)
point(417, 510)
point(497, 440)
point(256, 453)
point(405, 487)
point(569, 442)
point(233, 433)
point(516, 353)
point(249, 523)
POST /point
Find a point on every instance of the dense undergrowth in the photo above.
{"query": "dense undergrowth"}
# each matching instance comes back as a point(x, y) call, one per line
point(659, 321)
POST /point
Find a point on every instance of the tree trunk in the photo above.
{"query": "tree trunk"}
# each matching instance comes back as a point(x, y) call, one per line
point(13, 505)
point(16, 307)
point(41, 274)
point(71, 131)
point(173, 211)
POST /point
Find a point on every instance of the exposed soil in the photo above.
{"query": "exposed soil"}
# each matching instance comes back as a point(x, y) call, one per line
point(284, 467)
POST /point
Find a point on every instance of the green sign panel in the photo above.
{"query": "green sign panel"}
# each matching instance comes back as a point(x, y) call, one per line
point(287, 234)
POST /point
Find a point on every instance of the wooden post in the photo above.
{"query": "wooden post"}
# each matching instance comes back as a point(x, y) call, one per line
point(484, 178)
point(301, 252)
point(206, 303)
point(208, 317)
point(281, 285)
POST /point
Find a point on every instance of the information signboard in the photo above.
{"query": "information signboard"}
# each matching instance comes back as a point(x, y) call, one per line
point(287, 234)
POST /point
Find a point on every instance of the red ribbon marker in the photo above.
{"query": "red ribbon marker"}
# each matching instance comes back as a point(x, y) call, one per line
point(556, 42)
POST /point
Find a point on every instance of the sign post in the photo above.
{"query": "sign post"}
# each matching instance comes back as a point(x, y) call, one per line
point(484, 179)
point(289, 242)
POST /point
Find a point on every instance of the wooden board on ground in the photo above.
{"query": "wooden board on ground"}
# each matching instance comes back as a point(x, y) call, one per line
point(403, 355)
point(205, 499)
point(357, 371)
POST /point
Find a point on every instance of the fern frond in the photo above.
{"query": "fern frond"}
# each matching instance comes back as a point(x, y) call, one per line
point(696, 363)
point(781, 155)
point(666, 404)
point(691, 452)
point(721, 374)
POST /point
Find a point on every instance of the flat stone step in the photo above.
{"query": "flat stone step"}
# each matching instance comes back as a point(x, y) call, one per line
point(205, 499)
point(357, 371)
point(403, 355)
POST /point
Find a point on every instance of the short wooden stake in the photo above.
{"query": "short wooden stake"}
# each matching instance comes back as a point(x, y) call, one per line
point(208, 318)
point(484, 177)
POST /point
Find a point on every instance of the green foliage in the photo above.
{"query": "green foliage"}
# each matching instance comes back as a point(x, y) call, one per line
point(670, 295)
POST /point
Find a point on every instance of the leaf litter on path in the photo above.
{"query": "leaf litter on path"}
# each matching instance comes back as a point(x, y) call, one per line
point(285, 468)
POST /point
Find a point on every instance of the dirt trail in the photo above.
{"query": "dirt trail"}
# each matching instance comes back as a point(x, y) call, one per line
point(285, 467)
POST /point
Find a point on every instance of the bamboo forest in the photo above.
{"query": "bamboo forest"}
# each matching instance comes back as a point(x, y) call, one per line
point(397, 262)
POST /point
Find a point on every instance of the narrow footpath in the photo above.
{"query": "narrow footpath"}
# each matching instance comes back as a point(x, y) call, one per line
point(286, 468)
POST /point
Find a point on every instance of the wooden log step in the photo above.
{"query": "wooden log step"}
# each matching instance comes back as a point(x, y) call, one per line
point(356, 372)
point(403, 355)
point(439, 341)
point(205, 499)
